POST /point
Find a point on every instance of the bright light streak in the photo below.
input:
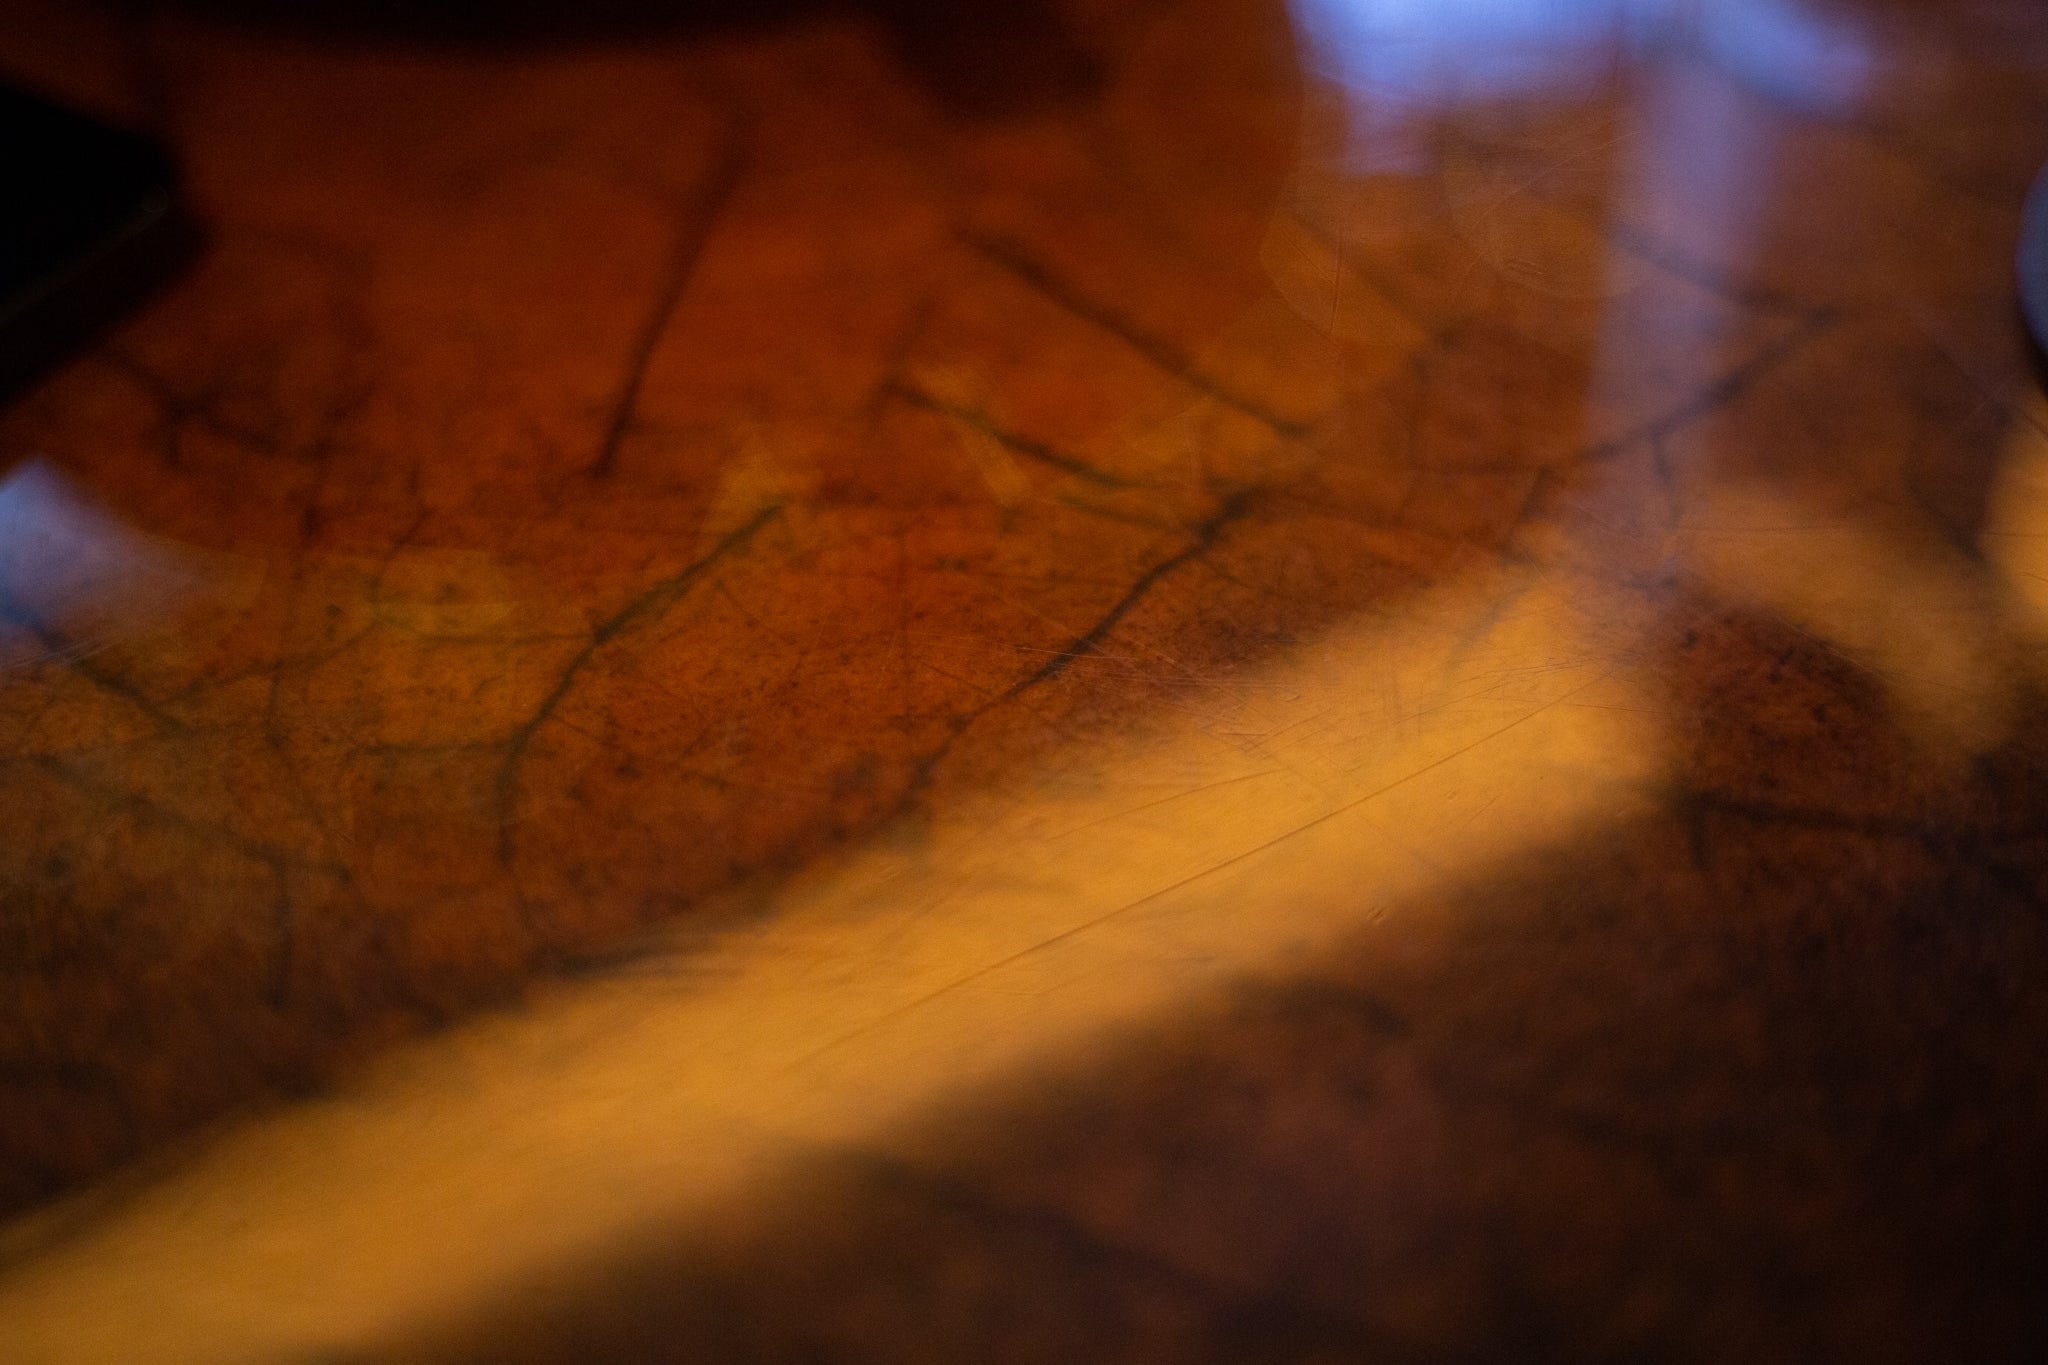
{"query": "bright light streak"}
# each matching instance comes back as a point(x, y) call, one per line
point(1306, 800)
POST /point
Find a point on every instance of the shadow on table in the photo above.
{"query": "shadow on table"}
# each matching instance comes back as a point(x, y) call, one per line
point(976, 59)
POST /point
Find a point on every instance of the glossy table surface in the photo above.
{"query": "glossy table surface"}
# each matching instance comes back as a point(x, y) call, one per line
point(1127, 680)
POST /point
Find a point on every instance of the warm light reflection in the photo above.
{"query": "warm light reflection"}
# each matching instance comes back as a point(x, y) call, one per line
point(1278, 811)
point(1954, 637)
point(1929, 622)
point(1303, 802)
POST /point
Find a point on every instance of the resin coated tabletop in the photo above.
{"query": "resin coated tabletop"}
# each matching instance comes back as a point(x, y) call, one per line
point(1129, 680)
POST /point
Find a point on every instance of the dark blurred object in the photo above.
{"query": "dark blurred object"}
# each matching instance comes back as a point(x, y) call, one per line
point(976, 58)
point(494, 22)
point(89, 221)
point(2033, 267)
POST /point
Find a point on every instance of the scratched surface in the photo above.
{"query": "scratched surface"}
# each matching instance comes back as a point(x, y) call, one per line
point(1362, 682)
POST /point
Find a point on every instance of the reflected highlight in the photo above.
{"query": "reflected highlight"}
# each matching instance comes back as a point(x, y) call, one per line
point(1305, 799)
